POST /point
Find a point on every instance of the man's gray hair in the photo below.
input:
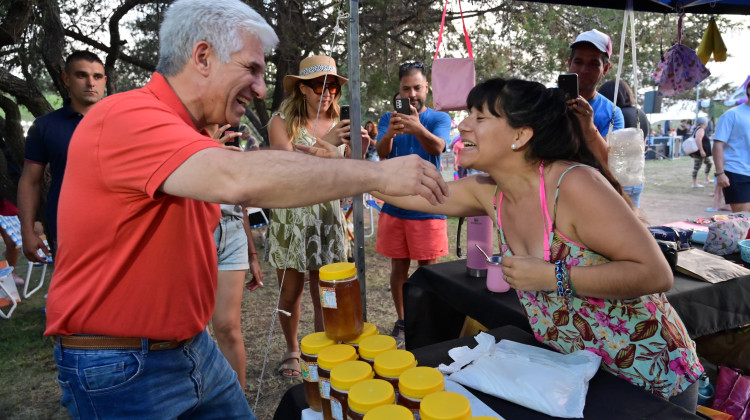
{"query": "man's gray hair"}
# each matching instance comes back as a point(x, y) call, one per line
point(221, 23)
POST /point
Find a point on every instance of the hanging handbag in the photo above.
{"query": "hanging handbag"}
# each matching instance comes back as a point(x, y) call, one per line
point(626, 146)
point(732, 394)
point(452, 78)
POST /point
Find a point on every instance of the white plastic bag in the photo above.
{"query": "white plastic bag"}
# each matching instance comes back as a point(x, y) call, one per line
point(540, 379)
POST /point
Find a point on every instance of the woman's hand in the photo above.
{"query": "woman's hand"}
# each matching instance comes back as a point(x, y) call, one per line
point(223, 139)
point(321, 148)
point(528, 273)
point(338, 134)
point(256, 272)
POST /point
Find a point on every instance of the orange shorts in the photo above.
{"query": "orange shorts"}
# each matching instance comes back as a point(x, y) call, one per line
point(413, 239)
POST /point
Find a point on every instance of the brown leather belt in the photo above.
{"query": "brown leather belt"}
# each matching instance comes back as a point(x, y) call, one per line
point(103, 342)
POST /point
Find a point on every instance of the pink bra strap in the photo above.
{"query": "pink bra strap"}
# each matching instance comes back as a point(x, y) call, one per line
point(545, 214)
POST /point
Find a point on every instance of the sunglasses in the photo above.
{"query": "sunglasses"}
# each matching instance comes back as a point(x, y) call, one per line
point(406, 67)
point(318, 87)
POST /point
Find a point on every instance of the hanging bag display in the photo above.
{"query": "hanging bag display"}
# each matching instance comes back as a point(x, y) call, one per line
point(627, 146)
point(452, 78)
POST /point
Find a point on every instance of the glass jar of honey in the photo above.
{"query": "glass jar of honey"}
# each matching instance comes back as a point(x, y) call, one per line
point(390, 364)
point(328, 358)
point(445, 406)
point(415, 384)
point(311, 345)
point(341, 301)
point(367, 395)
point(343, 377)
point(373, 346)
point(389, 412)
point(368, 330)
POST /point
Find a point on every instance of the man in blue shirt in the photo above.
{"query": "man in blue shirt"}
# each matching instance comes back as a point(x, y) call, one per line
point(589, 59)
point(405, 235)
point(732, 155)
point(47, 143)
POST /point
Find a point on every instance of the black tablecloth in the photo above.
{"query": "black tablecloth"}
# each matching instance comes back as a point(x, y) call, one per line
point(608, 397)
point(438, 297)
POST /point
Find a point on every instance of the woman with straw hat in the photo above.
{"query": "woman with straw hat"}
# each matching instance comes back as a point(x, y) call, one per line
point(306, 238)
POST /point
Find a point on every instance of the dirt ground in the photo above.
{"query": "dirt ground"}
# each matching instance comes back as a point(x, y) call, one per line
point(27, 371)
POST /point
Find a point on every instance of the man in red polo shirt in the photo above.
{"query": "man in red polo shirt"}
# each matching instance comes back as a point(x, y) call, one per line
point(135, 278)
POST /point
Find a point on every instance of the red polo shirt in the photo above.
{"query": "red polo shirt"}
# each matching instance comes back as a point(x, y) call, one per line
point(132, 261)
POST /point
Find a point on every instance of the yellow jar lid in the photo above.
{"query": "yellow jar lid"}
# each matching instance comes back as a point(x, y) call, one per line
point(337, 271)
point(366, 395)
point(372, 346)
point(445, 406)
point(335, 355)
point(419, 381)
point(313, 343)
point(389, 412)
point(345, 375)
point(392, 363)
point(368, 330)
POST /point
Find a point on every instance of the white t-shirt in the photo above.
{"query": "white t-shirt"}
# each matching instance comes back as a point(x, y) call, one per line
point(733, 129)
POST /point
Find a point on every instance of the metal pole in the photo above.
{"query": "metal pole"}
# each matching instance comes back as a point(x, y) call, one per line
point(356, 147)
point(697, 101)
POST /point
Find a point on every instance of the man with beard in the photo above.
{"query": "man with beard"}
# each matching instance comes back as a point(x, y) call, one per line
point(405, 235)
point(589, 59)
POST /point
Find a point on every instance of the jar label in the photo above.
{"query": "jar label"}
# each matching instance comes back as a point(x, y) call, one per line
point(328, 297)
point(309, 370)
point(337, 411)
point(324, 385)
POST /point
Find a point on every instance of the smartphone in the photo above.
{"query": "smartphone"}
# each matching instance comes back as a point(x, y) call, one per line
point(402, 106)
point(344, 112)
point(568, 82)
point(235, 141)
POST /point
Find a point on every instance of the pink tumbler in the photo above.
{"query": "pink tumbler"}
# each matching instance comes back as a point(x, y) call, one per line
point(478, 232)
point(495, 281)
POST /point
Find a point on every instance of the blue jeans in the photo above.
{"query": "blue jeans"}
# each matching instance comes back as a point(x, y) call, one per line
point(193, 381)
point(634, 192)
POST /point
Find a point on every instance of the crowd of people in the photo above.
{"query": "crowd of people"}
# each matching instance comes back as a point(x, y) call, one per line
point(145, 258)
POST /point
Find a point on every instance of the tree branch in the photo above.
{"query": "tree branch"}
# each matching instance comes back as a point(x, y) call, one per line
point(146, 65)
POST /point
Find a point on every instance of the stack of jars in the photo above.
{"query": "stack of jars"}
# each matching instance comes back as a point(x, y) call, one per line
point(352, 372)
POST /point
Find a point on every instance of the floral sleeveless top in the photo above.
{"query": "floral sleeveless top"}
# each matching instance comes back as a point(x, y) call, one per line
point(641, 340)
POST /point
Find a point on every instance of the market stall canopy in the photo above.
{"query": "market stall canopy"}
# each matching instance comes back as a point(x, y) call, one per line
point(720, 7)
point(674, 116)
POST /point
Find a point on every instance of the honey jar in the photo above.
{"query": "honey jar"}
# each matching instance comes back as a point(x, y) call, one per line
point(373, 346)
point(328, 358)
point(368, 330)
point(311, 345)
point(389, 412)
point(343, 377)
point(390, 364)
point(341, 301)
point(445, 406)
point(366, 395)
point(415, 384)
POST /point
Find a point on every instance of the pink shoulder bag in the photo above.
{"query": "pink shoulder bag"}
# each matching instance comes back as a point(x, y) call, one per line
point(452, 78)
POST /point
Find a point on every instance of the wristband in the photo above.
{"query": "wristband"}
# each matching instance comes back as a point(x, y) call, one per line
point(718, 173)
point(253, 253)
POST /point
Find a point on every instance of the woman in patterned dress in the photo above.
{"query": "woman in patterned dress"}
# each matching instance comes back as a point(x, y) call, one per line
point(306, 238)
point(555, 206)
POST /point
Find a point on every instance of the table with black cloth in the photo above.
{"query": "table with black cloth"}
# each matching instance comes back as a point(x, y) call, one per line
point(608, 397)
point(438, 297)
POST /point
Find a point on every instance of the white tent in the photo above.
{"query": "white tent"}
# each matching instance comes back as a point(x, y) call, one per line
point(674, 115)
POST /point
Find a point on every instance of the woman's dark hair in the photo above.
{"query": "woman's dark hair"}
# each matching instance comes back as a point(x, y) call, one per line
point(625, 97)
point(557, 132)
point(374, 131)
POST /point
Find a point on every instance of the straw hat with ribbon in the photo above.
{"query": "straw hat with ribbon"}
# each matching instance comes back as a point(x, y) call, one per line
point(312, 68)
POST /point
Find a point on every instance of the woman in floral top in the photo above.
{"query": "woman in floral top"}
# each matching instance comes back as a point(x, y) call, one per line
point(587, 272)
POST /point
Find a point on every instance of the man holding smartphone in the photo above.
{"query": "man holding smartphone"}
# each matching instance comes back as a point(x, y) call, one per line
point(405, 235)
point(589, 59)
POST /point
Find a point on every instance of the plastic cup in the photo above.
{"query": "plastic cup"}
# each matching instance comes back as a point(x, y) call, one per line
point(495, 281)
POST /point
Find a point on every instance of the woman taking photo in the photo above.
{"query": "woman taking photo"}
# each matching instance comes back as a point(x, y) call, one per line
point(304, 239)
point(560, 214)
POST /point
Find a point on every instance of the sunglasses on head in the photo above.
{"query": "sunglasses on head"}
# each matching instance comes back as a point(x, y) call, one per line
point(318, 87)
point(410, 66)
